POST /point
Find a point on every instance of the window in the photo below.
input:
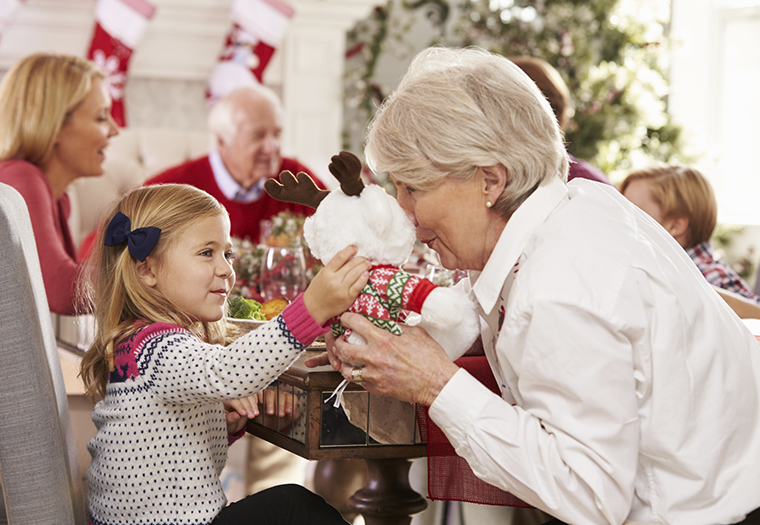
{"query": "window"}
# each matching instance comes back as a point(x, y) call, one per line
point(715, 96)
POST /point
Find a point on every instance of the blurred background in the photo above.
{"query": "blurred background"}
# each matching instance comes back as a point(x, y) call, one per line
point(652, 80)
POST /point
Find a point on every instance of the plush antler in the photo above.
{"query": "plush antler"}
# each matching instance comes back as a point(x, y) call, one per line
point(347, 168)
point(299, 189)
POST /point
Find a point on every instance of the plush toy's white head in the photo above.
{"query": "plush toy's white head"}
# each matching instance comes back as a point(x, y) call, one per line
point(373, 222)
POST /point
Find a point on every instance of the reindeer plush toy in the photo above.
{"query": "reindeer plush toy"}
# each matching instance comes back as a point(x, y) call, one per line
point(373, 221)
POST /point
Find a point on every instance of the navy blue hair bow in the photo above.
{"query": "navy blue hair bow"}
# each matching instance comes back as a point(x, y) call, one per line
point(140, 241)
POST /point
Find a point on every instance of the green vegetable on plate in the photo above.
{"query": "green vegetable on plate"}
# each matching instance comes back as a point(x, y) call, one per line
point(240, 308)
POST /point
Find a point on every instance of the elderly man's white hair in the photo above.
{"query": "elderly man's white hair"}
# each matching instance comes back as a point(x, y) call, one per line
point(459, 109)
point(221, 121)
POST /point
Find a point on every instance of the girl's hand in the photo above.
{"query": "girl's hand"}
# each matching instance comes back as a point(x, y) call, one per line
point(274, 406)
point(410, 367)
point(238, 411)
point(336, 285)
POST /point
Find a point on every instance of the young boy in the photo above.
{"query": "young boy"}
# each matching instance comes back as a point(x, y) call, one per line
point(682, 201)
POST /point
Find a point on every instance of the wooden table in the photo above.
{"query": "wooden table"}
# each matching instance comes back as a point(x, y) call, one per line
point(317, 431)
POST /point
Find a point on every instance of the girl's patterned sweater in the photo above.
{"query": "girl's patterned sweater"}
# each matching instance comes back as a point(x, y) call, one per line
point(162, 437)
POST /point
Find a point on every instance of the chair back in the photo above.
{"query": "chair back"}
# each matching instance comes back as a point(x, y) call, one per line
point(743, 307)
point(39, 471)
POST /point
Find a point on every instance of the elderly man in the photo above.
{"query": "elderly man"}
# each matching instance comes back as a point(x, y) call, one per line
point(246, 125)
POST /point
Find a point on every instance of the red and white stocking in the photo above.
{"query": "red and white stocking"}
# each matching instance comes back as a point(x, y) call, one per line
point(119, 26)
point(258, 27)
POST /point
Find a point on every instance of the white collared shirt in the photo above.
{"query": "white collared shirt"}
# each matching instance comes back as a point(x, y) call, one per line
point(629, 389)
point(229, 186)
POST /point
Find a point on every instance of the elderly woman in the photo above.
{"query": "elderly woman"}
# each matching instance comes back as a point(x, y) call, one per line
point(55, 123)
point(629, 390)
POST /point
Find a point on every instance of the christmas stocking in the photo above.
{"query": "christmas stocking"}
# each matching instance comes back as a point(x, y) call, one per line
point(119, 26)
point(8, 10)
point(258, 27)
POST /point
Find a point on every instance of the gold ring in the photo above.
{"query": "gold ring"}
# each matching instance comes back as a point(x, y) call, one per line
point(356, 375)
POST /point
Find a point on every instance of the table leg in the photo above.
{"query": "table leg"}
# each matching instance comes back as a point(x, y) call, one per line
point(387, 499)
point(337, 479)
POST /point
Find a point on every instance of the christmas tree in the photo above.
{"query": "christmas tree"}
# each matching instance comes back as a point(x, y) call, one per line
point(611, 53)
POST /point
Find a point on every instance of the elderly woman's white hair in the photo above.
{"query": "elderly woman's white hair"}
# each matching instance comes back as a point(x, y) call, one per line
point(221, 117)
point(459, 109)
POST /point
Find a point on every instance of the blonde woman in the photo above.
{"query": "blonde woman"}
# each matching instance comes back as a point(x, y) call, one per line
point(55, 124)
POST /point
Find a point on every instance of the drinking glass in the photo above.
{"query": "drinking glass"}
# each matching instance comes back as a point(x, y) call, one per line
point(265, 231)
point(283, 272)
point(443, 277)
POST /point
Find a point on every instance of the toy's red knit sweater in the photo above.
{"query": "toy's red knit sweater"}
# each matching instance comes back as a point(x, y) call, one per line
point(387, 298)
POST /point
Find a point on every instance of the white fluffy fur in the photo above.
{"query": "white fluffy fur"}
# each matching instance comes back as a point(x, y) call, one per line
point(375, 223)
point(446, 308)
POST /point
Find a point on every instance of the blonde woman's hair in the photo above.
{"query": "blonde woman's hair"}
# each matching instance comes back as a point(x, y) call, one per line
point(456, 110)
point(681, 191)
point(120, 300)
point(37, 96)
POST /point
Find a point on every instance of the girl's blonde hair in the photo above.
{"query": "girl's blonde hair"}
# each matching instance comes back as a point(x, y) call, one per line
point(37, 96)
point(120, 300)
point(456, 110)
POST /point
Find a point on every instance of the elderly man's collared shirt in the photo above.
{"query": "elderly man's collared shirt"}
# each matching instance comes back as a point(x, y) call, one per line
point(245, 218)
point(229, 186)
point(629, 389)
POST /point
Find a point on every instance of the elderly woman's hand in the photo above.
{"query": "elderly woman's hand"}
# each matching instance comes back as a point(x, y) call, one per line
point(410, 367)
point(326, 358)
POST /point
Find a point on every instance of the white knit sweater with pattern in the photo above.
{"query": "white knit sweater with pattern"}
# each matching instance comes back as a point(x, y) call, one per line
point(162, 437)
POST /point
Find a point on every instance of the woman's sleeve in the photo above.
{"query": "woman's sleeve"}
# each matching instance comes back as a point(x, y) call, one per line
point(177, 367)
point(571, 446)
point(60, 271)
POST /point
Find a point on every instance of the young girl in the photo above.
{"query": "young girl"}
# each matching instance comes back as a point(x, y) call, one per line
point(163, 380)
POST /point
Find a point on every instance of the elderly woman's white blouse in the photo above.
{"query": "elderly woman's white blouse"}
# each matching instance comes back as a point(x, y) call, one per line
point(629, 389)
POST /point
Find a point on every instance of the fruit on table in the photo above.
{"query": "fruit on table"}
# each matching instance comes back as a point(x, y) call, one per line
point(273, 307)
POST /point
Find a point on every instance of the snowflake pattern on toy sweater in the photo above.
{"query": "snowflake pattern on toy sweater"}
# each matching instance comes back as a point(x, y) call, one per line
point(162, 437)
point(387, 298)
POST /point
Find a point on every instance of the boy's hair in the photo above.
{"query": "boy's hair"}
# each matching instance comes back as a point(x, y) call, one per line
point(681, 191)
point(37, 96)
point(119, 298)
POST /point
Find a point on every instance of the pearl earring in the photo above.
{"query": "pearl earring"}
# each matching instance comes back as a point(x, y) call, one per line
point(489, 204)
